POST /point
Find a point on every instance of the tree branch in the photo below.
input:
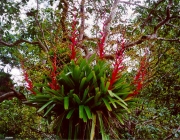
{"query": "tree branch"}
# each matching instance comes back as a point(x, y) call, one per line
point(166, 19)
point(20, 41)
point(172, 25)
point(11, 94)
point(107, 23)
point(40, 27)
point(63, 18)
point(5, 96)
point(171, 40)
point(153, 36)
point(151, 12)
point(129, 3)
point(82, 14)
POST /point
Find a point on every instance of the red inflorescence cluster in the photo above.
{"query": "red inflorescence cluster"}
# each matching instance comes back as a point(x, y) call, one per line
point(54, 84)
point(102, 43)
point(118, 66)
point(29, 82)
point(73, 39)
point(139, 78)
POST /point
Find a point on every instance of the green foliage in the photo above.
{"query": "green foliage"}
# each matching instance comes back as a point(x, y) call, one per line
point(151, 122)
point(84, 105)
point(20, 121)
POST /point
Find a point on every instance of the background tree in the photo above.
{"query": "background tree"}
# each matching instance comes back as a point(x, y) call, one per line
point(155, 28)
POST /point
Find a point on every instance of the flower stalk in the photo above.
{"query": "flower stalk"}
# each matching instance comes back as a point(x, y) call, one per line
point(54, 84)
point(29, 82)
point(118, 66)
point(102, 42)
point(73, 39)
point(140, 76)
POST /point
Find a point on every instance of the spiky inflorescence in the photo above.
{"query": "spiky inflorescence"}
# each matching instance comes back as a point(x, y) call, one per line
point(140, 76)
point(26, 78)
point(54, 84)
point(118, 66)
point(102, 42)
point(73, 39)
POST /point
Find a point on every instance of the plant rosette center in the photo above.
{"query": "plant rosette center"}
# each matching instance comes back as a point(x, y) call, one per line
point(84, 95)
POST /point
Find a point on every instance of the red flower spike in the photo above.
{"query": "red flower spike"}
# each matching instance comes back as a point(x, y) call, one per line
point(101, 43)
point(73, 39)
point(118, 66)
point(54, 84)
point(29, 82)
point(139, 78)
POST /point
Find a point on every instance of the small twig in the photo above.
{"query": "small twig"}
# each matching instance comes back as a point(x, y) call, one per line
point(171, 135)
point(129, 3)
point(148, 121)
point(171, 40)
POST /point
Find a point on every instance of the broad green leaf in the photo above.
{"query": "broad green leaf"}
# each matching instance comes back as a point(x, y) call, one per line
point(57, 99)
point(49, 109)
point(94, 79)
point(81, 111)
point(89, 77)
point(76, 73)
point(62, 90)
point(83, 81)
point(44, 106)
point(85, 94)
point(93, 126)
point(76, 98)
point(48, 90)
point(66, 103)
point(88, 112)
point(107, 104)
point(82, 64)
point(112, 101)
point(90, 98)
point(119, 118)
point(70, 114)
point(101, 125)
point(97, 96)
point(107, 86)
point(67, 80)
point(84, 117)
point(114, 95)
point(102, 85)
point(122, 105)
point(91, 58)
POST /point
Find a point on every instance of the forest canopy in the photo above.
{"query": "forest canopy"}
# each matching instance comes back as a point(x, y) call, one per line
point(106, 69)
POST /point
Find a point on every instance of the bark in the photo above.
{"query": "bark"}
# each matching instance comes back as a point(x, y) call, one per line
point(11, 94)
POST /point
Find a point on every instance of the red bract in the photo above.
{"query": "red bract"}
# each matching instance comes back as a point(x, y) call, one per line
point(139, 78)
point(102, 43)
point(54, 85)
point(29, 82)
point(73, 39)
point(118, 66)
